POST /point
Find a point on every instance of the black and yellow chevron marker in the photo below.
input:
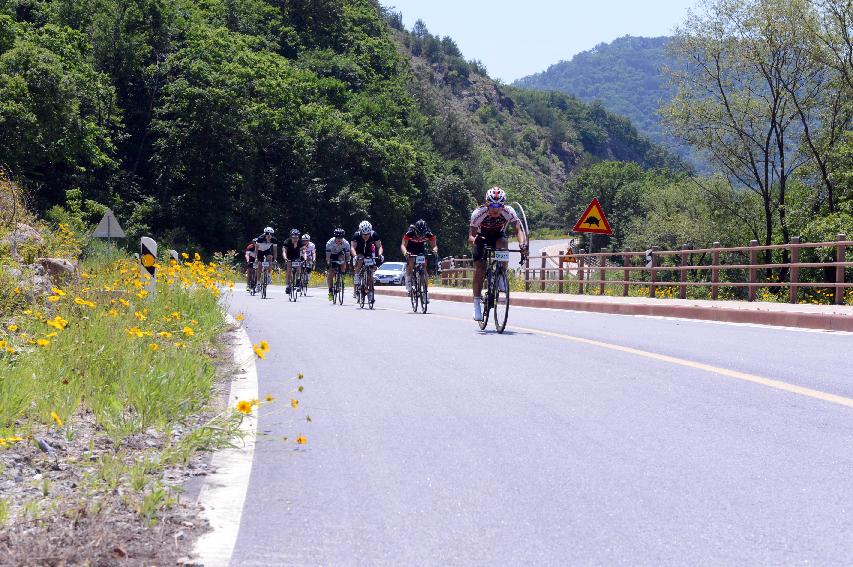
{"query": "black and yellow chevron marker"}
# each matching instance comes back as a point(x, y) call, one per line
point(148, 259)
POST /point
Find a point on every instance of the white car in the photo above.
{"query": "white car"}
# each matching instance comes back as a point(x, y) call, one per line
point(390, 273)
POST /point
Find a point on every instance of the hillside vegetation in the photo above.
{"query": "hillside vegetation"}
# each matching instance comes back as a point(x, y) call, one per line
point(202, 122)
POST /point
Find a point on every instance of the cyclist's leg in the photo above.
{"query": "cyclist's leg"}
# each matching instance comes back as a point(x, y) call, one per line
point(502, 244)
point(410, 264)
point(356, 278)
point(478, 254)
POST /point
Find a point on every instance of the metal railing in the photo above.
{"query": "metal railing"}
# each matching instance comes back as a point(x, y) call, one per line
point(738, 268)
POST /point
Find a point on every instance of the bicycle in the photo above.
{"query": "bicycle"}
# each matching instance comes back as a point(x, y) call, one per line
point(295, 279)
point(251, 278)
point(418, 290)
point(338, 286)
point(496, 288)
point(364, 292)
point(266, 279)
point(306, 277)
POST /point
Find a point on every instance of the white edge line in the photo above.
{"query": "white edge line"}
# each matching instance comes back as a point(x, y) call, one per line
point(224, 492)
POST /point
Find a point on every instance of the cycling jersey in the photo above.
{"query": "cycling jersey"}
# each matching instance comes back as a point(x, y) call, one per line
point(336, 249)
point(480, 219)
point(417, 244)
point(366, 247)
point(292, 251)
point(250, 251)
point(263, 247)
point(309, 251)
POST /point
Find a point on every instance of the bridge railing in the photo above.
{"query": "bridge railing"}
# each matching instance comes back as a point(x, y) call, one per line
point(741, 272)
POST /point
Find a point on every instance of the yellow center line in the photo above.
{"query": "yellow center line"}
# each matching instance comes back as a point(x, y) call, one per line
point(744, 376)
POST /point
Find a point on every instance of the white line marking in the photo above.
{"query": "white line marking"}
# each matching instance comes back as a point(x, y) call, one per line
point(224, 491)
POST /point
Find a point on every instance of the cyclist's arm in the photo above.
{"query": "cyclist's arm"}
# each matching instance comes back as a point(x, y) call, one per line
point(379, 247)
point(520, 235)
point(352, 249)
point(434, 244)
point(403, 247)
point(473, 233)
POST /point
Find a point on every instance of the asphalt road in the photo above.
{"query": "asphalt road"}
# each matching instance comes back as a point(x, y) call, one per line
point(432, 443)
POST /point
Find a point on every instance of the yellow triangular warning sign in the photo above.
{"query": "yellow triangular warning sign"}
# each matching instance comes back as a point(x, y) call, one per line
point(593, 220)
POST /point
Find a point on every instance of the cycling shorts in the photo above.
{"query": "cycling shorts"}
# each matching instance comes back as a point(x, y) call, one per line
point(486, 238)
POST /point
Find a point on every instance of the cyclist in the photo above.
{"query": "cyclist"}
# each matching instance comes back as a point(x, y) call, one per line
point(365, 242)
point(249, 253)
point(414, 244)
point(338, 249)
point(292, 251)
point(266, 249)
point(488, 228)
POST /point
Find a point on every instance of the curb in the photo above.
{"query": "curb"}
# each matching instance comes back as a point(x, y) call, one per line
point(224, 491)
point(823, 321)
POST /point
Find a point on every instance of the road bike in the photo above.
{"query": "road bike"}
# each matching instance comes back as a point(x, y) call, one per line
point(295, 279)
point(251, 278)
point(418, 287)
point(364, 291)
point(306, 277)
point(495, 293)
point(338, 283)
point(266, 279)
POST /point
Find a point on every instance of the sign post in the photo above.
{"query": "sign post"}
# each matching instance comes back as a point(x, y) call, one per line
point(148, 262)
point(109, 228)
point(593, 222)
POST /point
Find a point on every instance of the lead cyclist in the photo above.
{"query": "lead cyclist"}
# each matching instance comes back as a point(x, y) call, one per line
point(488, 228)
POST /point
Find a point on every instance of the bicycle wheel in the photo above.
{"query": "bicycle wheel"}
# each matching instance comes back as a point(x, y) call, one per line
point(253, 289)
point(501, 300)
point(293, 287)
point(340, 288)
point(424, 293)
point(360, 292)
point(413, 291)
point(264, 282)
point(306, 279)
point(370, 298)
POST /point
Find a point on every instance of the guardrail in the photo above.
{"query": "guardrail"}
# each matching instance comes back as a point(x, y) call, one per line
point(716, 268)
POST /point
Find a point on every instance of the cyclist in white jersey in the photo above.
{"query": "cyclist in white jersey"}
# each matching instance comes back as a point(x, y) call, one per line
point(338, 249)
point(488, 228)
point(309, 254)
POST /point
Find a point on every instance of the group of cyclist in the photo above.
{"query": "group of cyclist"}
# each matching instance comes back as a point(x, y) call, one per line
point(488, 227)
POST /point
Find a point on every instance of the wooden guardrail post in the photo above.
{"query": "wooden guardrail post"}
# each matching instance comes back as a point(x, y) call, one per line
point(654, 273)
point(840, 256)
point(753, 273)
point(794, 272)
point(560, 276)
point(527, 273)
point(715, 271)
point(581, 262)
point(542, 272)
point(602, 272)
point(682, 273)
point(626, 274)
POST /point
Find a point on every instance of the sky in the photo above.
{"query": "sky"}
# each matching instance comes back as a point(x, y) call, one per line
point(518, 38)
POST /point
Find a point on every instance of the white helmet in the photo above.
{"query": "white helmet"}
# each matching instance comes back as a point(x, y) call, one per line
point(306, 236)
point(495, 195)
point(269, 230)
point(365, 227)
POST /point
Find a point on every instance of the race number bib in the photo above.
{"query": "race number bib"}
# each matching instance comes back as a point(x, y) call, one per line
point(502, 255)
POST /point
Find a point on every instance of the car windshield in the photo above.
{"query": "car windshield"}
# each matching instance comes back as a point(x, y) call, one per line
point(392, 266)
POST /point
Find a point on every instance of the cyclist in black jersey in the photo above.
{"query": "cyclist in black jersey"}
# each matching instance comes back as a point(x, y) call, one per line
point(266, 249)
point(365, 242)
point(292, 251)
point(414, 243)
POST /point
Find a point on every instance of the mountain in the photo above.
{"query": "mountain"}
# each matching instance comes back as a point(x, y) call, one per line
point(627, 76)
point(519, 138)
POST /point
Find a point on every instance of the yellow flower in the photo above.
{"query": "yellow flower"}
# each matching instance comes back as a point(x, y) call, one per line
point(184, 255)
point(256, 402)
point(55, 417)
point(54, 298)
point(3, 344)
point(188, 331)
point(140, 315)
point(2, 441)
point(239, 317)
point(14, 439)
point(17, 290)
point(84, 302)
point(244, 407)
point(153, 347)
point(42, 342)
point(112, 313)
point(294, 403)
point(301, 440)
point(197, 257)
point(51, 335)
point(264, 345)
point(269, 397)
point(176, 316)
point(142, 294)
point(57, 322)
point(12, 328)
point(179, 345)
point(135, 332)
point(28, 311)
point(164, 335)
point(124, 302)
point(85, 276)
point(10, 350)
point(58, 291)
point(258, 352)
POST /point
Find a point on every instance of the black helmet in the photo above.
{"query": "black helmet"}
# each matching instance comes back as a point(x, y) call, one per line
point(294, 233)
point(340, 233)
point(421, 227)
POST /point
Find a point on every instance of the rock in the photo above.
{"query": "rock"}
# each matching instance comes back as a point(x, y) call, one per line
point(58, 268)
point(23, 234)
point(44, 446)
